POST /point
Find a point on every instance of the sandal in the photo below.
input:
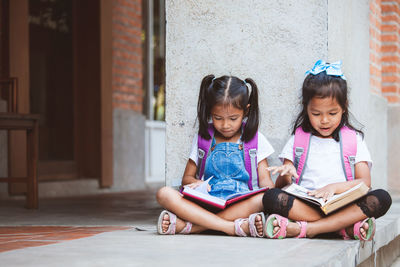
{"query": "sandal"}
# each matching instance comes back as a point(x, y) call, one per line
point(356, 230)
point(172, 226)
point(252, 225)
point(282, 223)
point(238, 229)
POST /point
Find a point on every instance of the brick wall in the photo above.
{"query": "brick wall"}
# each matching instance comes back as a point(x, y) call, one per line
point(127, 77)
point(390, 33)
point(375, 47)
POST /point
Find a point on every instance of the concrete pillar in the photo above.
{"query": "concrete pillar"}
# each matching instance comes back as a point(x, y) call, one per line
point(393, 159)
point(348, 39)
point(273, 42)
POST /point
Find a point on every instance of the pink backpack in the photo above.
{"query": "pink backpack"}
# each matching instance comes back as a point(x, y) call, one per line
point(348, 149)
point(250, 157)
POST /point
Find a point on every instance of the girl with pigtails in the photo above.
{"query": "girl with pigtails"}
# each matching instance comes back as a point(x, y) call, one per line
point(228, 116)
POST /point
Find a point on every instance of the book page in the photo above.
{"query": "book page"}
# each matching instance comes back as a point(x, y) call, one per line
point(203, 188)
point(302, 192)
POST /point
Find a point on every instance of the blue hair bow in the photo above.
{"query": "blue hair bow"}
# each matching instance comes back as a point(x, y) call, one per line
point(333, 69)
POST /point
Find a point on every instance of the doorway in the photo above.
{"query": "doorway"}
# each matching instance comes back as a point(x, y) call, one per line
point(65, 87)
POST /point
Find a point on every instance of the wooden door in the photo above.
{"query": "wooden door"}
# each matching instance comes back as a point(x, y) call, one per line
point(71, 90)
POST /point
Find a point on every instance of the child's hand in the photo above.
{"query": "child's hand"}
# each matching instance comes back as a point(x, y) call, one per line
point(286, 169)
point(197, 184)
point(325, 192)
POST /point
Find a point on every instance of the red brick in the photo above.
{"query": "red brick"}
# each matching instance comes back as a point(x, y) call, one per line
point(390, 69)
point(387, 7)
point(390, 38)
point(389, 89)
point(390, 79)
point(130, 48)
point(386, 18)
point(126, 29)
point(137, 5)
point(389, 28)
point(121, 10)
point(389, 48)
point(390, 58)
point(127, 55)
point(392, 98)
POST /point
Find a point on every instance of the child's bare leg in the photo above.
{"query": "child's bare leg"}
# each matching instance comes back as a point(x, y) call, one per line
point(339, 220)
point(203, 219)
point(243, 209)
point(331, 223)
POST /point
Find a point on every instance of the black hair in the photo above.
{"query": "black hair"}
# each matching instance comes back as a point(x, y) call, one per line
point(228, 90)
point(323, 85)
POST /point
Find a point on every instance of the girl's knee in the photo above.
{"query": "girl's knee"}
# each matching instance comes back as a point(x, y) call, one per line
point(163, 195)
point(376, 203)
point(270, 195)
point(275, 200)
point(384, 199)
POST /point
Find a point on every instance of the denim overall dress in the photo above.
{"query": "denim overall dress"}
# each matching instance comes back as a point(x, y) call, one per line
point(226, 164)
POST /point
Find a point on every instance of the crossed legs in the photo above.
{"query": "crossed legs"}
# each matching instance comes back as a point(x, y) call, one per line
point(203, 219)
point(375, 204)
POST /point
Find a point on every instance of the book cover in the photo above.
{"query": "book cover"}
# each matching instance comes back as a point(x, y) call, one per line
point(333, 203)
point(201, 196)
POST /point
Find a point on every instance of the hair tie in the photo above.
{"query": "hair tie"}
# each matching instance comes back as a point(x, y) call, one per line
point(249, 88)
point(332, 69)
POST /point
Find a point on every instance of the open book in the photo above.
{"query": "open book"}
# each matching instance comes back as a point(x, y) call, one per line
point(201, 196)
point(333, 203)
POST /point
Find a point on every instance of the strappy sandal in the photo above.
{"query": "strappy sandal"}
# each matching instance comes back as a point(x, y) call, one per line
point(282, 223)
point(238, 226)
point(252, 224)
point(356, 230)
point(172, 224)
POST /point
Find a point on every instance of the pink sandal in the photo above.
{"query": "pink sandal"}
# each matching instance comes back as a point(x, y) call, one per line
point(238, 226)
point(356, 230)
point(252, 226)
point(172, 226)
point(282, 223)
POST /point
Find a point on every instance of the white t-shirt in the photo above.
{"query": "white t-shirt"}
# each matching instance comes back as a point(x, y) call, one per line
point(264, 148)
point(324, 163)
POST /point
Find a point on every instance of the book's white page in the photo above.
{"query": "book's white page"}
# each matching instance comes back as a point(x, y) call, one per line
point(203, 188)
point(302, 192)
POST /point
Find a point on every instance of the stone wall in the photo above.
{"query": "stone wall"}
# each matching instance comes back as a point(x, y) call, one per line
point(273, 42)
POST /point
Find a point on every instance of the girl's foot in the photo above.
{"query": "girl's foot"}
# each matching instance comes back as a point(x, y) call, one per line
point(253, 226)
point(278, 227)
point(362, 230)
point(168, 223)
point(292, 229)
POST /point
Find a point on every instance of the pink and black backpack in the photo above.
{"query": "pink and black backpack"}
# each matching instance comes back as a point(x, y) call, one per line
point(348, 149)
point(249, 153)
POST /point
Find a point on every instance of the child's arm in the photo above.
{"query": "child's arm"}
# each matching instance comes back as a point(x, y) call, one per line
point(264, 177)
point(189, 176)
point(286, 171)
point(362, 174)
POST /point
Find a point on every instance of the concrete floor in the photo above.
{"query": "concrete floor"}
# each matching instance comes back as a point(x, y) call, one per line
point(138, 208)
point(139, 245)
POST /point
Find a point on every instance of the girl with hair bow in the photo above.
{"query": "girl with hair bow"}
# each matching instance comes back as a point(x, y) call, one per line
point(324, 123)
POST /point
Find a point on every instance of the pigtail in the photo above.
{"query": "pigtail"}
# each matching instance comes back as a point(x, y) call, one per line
point(202, 106)
point(253, 113)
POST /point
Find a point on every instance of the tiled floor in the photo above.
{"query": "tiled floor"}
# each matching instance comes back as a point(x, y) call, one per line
point(62, 219)
point(17, 237)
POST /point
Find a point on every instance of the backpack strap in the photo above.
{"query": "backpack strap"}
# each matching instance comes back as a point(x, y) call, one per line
point(250, 161)
point(249, 152)
point(300, 151)
point(348, 149)
point(203, 147)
